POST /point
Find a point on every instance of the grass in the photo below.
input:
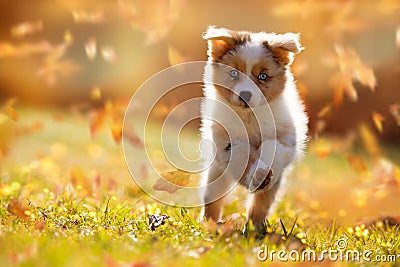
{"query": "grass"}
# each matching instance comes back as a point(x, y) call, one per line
point(67, 199)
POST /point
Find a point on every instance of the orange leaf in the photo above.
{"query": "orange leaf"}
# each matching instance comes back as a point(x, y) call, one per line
point(108, 54)
point(91, 49)
point(96, 121)
point(337, 96)
point(68, 38)
point(395, 111)
point(378, 118)
point(322, 148)
point(18, 208)
point(80, 180)
point(26, 28)
point(357, 163)
point(82, 16)
point(155, 18)
point(172, 181)
point(326, 110)
point(116, 131)
point(95, 93)
point(369, 141)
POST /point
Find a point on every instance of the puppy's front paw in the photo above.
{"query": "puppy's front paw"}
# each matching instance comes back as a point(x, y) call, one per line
point(261, 178)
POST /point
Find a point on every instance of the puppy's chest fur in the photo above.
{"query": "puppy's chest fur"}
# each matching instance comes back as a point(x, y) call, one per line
point(273, 122)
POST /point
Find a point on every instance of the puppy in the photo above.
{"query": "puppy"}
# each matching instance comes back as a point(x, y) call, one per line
point(253, 117)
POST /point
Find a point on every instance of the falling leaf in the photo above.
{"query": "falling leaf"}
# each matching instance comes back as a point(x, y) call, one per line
point(9, 110)
point(343, 20)
point(143, 171)
point(108, 54)
point(172, 181)
point(68, 38)
point(327, 109)
point(24, 49)
point(174, 56)
point(322, 148)
point(91, 48)
point(50, 70)
point(395, 111)
point(82, 16)
point(350, 69)
point(116, 132)
point(156, 221)
point(358, 164)
point(26, 28)
point(95, 93)
point(154, 17)
point(378, 119)
point(96, 121)
point(369, 140)
point(54, 65)
point(133, 138)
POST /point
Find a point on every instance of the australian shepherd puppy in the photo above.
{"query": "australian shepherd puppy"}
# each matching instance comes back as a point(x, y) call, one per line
point(253, 117)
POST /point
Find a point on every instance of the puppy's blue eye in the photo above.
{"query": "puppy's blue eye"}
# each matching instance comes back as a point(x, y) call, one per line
point(262, 76)
point(234, 74)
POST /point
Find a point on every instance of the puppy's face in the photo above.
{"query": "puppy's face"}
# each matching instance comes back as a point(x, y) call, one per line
point(257, 64)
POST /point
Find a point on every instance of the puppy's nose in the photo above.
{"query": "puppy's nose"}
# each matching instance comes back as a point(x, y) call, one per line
point(245, 96)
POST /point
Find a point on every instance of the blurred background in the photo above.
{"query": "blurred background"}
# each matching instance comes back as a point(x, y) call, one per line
point(59, 53)
point(68, 69)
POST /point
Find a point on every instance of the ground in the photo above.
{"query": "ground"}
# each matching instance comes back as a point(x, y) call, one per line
point(67, 199)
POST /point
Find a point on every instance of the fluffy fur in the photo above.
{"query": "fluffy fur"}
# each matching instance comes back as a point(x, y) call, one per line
point(271, 144)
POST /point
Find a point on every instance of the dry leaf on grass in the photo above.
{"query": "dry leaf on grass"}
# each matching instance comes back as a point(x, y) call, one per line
point(172, 181)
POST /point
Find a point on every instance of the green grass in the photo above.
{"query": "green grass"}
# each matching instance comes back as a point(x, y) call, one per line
point(68, 200)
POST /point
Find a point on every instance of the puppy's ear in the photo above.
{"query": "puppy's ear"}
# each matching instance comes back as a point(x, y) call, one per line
point(284, 46)
point(220, 40)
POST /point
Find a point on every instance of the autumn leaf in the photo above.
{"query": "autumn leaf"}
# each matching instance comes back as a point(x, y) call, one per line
point(369, 140)
point(80, 181)
point(82, 16)
point(19, 209)
point(395, 111)
point(116, 132)
point(172, 181)
point(358, 164)
point(68, 38)
point(325, 111)
point(26, 28)
point(54, 65)
point(95, 93)
point(154, 17)
point(378, 119)
point(343, 20)
point(96, 121)
point(91, 48)
point(24, 49)
point(350, 69)
point(108, 54)
point(9, 110)
point(322, 148)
